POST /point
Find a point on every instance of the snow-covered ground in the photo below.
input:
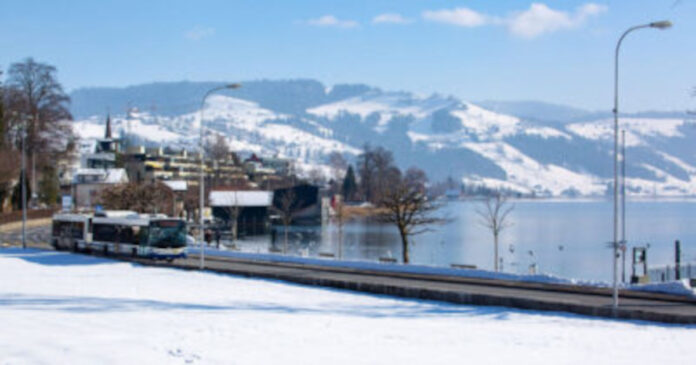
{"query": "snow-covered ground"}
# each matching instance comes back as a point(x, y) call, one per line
point(62, 308)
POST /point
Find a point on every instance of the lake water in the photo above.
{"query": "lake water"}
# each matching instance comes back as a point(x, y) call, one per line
point(565, 238)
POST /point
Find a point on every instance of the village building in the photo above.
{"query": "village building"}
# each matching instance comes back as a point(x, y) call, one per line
point(246, 211)
point(97, 171)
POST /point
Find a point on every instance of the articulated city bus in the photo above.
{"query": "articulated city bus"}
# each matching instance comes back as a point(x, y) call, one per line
point(120, 232)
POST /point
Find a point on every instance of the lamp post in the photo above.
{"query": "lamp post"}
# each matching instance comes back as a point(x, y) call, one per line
point(663, 24)
point(623, 206)
point(201, 232)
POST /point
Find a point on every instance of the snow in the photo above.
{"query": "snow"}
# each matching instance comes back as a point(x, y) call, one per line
point(103, 176)
point(546, 132)
point(386, 105)
point(636, 129)
point(309, 138)
point(241, 198)
point(524, 171)
point(177, 185)
point(678, 287)
point(485, 123)
point(63, 308)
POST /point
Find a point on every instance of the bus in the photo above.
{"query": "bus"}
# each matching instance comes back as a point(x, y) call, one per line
point(120, 233)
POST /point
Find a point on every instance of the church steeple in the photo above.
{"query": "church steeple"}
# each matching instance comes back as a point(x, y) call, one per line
point(107, 135)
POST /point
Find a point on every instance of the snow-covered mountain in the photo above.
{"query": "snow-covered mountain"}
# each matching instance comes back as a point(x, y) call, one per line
point(447, 137)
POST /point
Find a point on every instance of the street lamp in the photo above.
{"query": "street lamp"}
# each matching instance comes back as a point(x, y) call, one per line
point(200, 147)
point(663, 24)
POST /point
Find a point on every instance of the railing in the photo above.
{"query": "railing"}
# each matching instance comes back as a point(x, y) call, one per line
point(16, 216)
point(668, 272)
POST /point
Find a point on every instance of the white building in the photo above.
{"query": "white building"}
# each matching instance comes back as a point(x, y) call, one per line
point(89, 183)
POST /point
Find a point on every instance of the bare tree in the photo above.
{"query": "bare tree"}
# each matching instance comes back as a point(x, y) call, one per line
point(338, 165)
point(232, 213)
point(286, 207)
point(494, 215)
point(9, 175)
point(316, 176)
point(340, 218)
point(405, 205)
point(218, 150)
point(143, 198)
point(34, 94)
point(375, 168)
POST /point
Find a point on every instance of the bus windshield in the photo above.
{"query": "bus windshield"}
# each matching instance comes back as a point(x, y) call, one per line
point(167, 233)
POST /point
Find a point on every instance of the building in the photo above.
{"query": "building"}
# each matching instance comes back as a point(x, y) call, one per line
point(153, 164)
point(105, 151)
point(179, 188)
point(251, 208)
point(97, 171)
point(89, 183)
point(302, 201)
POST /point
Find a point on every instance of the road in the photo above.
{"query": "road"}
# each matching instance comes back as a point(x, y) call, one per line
point(36, 236)
point(535, 296)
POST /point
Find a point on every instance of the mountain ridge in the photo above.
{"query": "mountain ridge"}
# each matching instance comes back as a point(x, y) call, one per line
point(305, 120)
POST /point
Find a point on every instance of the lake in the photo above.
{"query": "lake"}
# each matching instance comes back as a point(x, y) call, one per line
point(564, 238)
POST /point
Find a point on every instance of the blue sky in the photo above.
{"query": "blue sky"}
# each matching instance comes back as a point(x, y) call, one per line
point(560, 52)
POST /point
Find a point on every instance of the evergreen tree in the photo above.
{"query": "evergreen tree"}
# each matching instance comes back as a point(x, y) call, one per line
point(349, 185)
point(48, 186)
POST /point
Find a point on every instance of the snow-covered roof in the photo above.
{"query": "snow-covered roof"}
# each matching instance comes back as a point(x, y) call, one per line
point(103, 176)
point(241, 198)
point(177, 185)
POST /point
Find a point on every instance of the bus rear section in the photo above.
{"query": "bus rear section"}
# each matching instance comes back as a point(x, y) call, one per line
point(70, 231)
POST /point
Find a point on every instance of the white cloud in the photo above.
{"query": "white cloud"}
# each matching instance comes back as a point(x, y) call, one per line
point(537, 20)
point(390, 18)
point(540, 19)
point(197, 33)
point(332, 21)
point(463, 17)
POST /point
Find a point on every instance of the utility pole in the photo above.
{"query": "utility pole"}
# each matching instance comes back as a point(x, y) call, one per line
point(23, 181)
point(677, 259)
point(623, 206)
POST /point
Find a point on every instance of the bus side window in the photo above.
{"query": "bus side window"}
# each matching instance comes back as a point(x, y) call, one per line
point(77, 230)
point(104, 232)
point(143, 236)
point(128, 235)
point(135, 235)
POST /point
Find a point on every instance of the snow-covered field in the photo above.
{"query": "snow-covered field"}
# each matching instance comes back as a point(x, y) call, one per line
point(63, 308)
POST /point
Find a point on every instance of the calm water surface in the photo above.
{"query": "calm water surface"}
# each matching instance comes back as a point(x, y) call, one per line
point(565, 238)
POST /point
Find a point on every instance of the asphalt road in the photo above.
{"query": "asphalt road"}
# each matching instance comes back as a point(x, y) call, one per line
point(36, 236)
point(536, 296)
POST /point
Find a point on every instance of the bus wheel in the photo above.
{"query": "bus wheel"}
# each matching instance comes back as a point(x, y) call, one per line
point(73, 247)
point(170, 259)
point(105, 250)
